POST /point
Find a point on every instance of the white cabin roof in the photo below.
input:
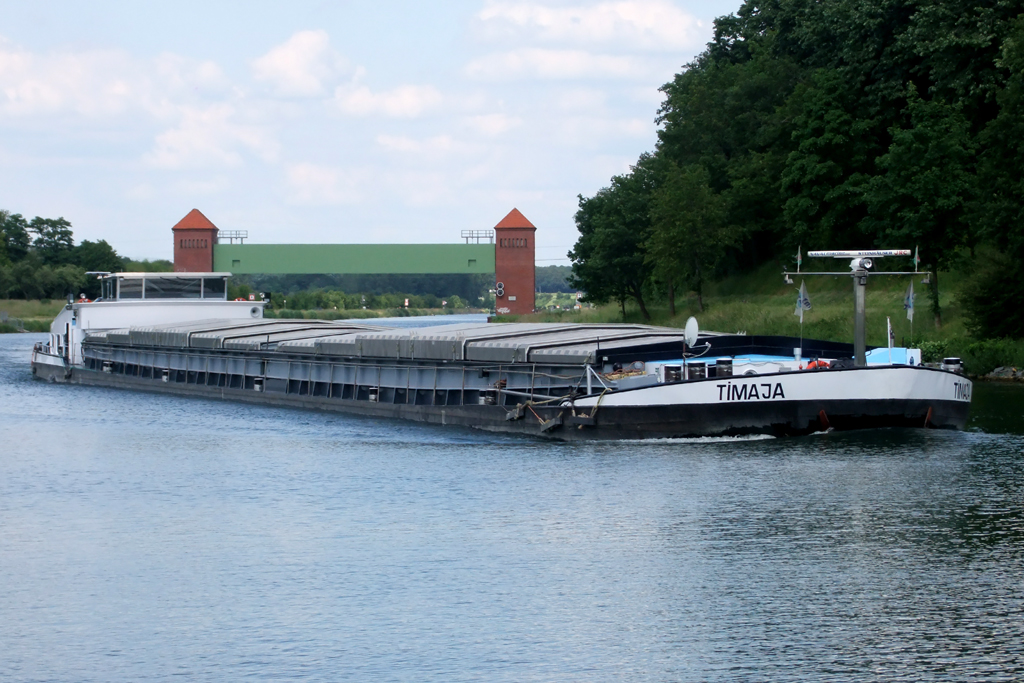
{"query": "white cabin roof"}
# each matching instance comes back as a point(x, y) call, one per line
point(181, 275)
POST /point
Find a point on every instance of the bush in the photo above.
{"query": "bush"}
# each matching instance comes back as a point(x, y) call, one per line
point(328, 315)
point(981, 358)
point(934, 351)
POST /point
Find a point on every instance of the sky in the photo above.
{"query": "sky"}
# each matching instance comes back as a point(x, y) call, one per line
point(330, 122)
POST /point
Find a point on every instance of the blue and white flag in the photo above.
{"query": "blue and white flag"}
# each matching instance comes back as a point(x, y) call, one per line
point(803, 303)
point(892, 337)
point(908, 302)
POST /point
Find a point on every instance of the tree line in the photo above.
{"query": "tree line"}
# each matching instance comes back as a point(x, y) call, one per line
point(471, 288)
point(828, 124)
point(40, 260)
point(321, 299)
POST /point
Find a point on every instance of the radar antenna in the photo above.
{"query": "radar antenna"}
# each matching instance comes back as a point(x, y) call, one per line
point(861, 262)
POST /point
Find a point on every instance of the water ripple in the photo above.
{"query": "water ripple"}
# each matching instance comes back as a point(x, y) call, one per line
point(147, 537)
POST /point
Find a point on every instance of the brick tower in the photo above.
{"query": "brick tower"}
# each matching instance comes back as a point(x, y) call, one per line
point(514, 264)
point(194, 237)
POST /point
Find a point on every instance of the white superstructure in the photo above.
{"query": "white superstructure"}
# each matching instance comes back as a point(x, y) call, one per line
point(133, 299)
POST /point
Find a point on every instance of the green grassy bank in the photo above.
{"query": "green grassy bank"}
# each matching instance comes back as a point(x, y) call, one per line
point(35, 315)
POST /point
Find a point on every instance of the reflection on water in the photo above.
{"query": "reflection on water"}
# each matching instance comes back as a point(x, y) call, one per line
point(997, 407)
point(153, 537)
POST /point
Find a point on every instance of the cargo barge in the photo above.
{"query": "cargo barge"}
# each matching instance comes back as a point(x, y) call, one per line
point(560, 381)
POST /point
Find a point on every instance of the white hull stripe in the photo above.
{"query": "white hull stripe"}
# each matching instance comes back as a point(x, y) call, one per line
point(900, 383)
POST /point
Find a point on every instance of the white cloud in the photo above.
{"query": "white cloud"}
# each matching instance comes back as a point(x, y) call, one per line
point(207, 186)
point(435, 187)
point(143, 192)
point(555, 64)
point(628, 25)
point(315, 184)
point(301, 66)
point(493, 124)
point(209, 136)
point(437, 145)
point(179, 74)
point(584, 130)
point(99, 84)
point(405, 101)
point(91, 83)
point(582, 99)
point(206, 122)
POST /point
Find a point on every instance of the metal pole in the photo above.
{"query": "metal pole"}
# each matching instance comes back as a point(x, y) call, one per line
point(860, 285)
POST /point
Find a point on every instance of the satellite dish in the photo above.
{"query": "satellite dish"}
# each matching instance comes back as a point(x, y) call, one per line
point(690, 333)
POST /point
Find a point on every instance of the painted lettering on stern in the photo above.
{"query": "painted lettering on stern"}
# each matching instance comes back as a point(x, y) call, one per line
point(750, 392)
point(962, 391)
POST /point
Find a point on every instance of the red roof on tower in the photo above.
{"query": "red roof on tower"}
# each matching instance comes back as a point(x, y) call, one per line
point(195, 220)
point(514, 219)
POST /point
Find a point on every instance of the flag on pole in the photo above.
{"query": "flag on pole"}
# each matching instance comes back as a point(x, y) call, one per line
point(799, 258)
point(892, 337)
point(803, 303)
point(917, 259)
point(908, 302)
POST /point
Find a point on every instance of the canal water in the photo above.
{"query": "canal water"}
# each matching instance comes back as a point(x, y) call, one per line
point(156, 538)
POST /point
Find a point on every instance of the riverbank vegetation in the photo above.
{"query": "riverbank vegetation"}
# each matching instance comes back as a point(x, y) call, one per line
point(760, 302)
point(839, 124)
point(329, 301)
point(40, 260)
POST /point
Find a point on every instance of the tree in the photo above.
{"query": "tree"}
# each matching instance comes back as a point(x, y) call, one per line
point(147, 266)
point(925, 186)
point(825, 176)
point(992, 294)
point(54, 241)
point(6, 281)
point(608, 260)
point(97, 256)
point(1000, 213)
point(724, 112)
point(4, 259)
point(35, 283)
point(992, 297)
point(69, 280)
point(14, 234)
point(689, 235)
point(553, 279)
point(23, 275)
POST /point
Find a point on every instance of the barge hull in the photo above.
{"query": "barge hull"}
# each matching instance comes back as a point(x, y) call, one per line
point(777, 418)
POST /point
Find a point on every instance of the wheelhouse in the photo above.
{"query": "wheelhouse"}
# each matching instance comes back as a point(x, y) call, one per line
point(136, 286)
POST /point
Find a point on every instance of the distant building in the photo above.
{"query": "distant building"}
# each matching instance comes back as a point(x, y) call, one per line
point(512, 257)
point(515, 252)
point(194, 237)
